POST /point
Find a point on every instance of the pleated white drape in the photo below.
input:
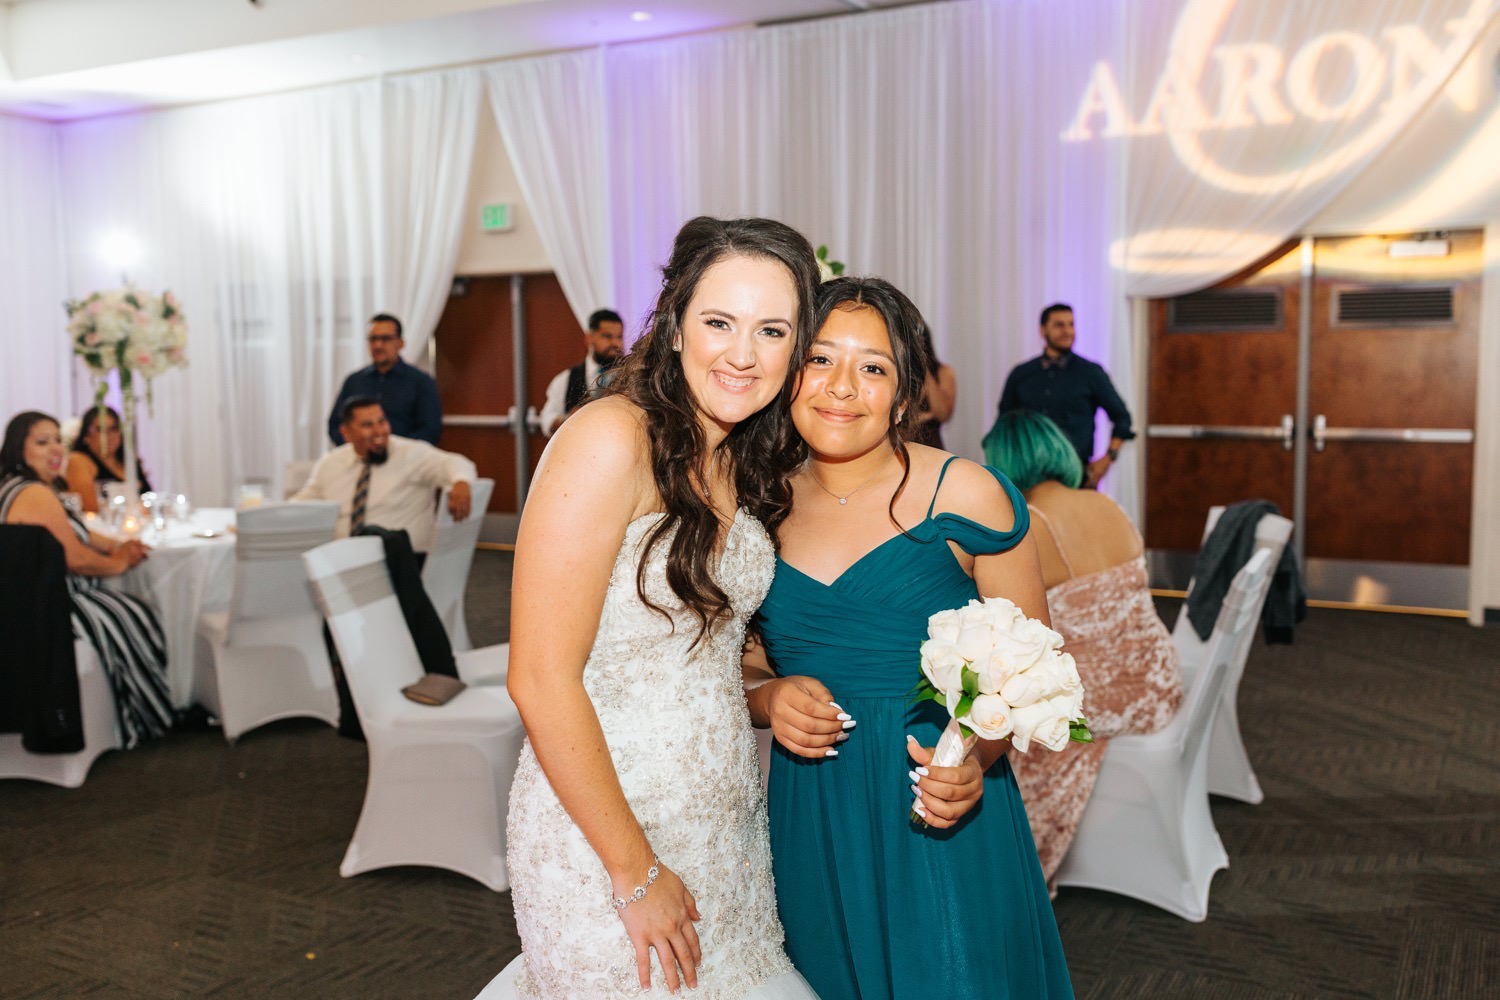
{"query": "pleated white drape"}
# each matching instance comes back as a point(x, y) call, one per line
point(38, 366)
point(551, 115)
point(282, 223)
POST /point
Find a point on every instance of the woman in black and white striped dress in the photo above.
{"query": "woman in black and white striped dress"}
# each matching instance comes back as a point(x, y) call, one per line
point(123, 629)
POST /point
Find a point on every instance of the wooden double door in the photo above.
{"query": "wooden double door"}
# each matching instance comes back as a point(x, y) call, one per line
point(1337, 379)
point(500, 340)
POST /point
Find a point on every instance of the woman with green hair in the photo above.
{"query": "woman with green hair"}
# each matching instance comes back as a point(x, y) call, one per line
point(1094, 569)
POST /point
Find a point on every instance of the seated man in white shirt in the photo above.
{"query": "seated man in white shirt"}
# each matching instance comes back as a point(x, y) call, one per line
point(572, 387)
point(381, 479)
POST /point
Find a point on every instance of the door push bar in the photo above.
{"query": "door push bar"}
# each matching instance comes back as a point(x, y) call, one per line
point(1286, 433)
point(1321, 434)
point(503, 421)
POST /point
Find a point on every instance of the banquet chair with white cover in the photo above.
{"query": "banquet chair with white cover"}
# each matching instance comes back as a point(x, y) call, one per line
point(440, 775)
point(1147, 831)
point(101, 730)
point(1229, 770)
point(445, 575)
point(264, 659)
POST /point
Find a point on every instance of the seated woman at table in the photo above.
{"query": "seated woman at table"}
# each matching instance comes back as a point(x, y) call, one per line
point(98, 456)
point(1094, 568)
point(123, 629)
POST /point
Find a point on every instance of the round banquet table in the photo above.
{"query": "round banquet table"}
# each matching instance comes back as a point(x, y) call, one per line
point(190, 571)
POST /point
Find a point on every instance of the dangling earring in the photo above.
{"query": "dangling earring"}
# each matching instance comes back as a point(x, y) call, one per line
point(677, 346)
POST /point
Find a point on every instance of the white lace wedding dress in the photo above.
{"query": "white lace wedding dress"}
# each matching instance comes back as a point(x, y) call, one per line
point(675, 719)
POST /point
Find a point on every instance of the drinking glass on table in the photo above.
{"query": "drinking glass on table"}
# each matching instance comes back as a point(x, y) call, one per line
point(116, 511)
point(72, 501)
point(252, 495)
point(182, 506)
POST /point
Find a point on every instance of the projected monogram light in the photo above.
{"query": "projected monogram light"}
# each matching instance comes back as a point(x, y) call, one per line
point(1365, 84)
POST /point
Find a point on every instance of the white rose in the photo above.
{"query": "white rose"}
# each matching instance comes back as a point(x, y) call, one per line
point(1024, 644)
point(994, 670)
point(943, 625)
point(943, 665)
point(990, 717)
point(1043, 721)
point(1022, 690)
point(1001, 610)
point(1057, 675)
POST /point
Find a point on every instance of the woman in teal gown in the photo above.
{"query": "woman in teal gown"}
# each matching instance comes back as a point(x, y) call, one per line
point(881, 535)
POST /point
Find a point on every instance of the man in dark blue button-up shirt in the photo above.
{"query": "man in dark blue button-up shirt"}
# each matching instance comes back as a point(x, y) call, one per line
point(408, 395)
point(1069, 389)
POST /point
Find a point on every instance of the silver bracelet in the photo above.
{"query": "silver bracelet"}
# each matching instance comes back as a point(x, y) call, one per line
point(640, 890)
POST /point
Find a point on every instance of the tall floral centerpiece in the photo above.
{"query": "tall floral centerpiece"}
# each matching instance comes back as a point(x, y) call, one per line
point(136, 333)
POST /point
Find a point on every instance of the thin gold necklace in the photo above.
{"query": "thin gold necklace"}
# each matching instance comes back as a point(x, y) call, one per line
point(845, 498)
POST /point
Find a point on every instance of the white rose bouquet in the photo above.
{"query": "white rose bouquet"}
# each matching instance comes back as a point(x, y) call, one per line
point(999, 674)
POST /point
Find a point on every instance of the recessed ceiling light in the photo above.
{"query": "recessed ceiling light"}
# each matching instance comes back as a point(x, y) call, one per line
point(639, 16)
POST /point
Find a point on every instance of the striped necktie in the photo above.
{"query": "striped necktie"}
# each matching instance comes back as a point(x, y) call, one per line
point(361, 494)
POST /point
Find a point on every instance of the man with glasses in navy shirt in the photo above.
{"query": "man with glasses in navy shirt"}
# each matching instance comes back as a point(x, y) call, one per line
point(408, 395)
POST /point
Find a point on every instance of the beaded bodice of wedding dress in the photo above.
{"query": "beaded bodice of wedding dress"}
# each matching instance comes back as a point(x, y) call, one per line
point(679, 734)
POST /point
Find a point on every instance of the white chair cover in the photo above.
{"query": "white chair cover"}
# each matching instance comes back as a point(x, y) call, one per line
point(101, 731)
point(440, 776)
point(1229, 770)
point(1147, 831)
point(264, 659)
point(445, 575)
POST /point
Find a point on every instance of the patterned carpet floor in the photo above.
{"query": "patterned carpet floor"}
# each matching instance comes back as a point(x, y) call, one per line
point(190, 868)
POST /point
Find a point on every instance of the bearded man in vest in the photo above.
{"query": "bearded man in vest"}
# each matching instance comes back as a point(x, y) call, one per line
point(571, 388)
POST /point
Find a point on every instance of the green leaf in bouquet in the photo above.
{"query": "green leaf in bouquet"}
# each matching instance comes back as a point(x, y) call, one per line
point(970, 682)
point(965, 702)
point(1078, 731)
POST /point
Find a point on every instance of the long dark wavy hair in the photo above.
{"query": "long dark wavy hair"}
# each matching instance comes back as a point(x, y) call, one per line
point(13, 451)
point(86, 427)
point(759, 451)
point(906, 328)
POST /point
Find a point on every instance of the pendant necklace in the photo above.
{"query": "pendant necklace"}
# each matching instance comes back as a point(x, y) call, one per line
point(845, 498)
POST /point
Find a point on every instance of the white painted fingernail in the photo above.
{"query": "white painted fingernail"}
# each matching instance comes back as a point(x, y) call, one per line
point(910, 738)
point(913, 776)
point(922, 771)
point(830, 752)
point(836, 705)
point(841, 737)
point(850, 724)
point(916, 791)
point(845, 716)
point(919, 808)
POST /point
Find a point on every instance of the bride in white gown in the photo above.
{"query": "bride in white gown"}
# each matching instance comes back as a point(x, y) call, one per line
point(637, 838)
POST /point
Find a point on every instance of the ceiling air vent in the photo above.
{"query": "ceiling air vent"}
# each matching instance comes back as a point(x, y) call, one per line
point(1225, 309)
point(1396, 306)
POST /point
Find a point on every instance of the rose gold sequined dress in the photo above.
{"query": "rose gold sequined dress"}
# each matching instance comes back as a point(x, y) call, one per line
point(678, 730)
point(1132, 684)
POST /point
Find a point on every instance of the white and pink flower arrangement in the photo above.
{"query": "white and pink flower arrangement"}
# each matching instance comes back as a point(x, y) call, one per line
point(132, 331)
point(999, 674)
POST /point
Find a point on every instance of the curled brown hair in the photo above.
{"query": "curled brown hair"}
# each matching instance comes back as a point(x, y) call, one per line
point(759, 450)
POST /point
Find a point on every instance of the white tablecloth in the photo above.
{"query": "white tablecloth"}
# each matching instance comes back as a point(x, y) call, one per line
point(185, 575)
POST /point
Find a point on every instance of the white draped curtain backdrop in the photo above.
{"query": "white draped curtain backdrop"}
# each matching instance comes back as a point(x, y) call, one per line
point(38, 366)
point(987, 157)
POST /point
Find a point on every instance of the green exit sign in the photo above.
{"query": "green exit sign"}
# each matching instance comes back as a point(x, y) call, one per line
point(497, 218)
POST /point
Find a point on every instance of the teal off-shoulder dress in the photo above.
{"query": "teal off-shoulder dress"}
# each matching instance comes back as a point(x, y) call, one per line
point(874, 906)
